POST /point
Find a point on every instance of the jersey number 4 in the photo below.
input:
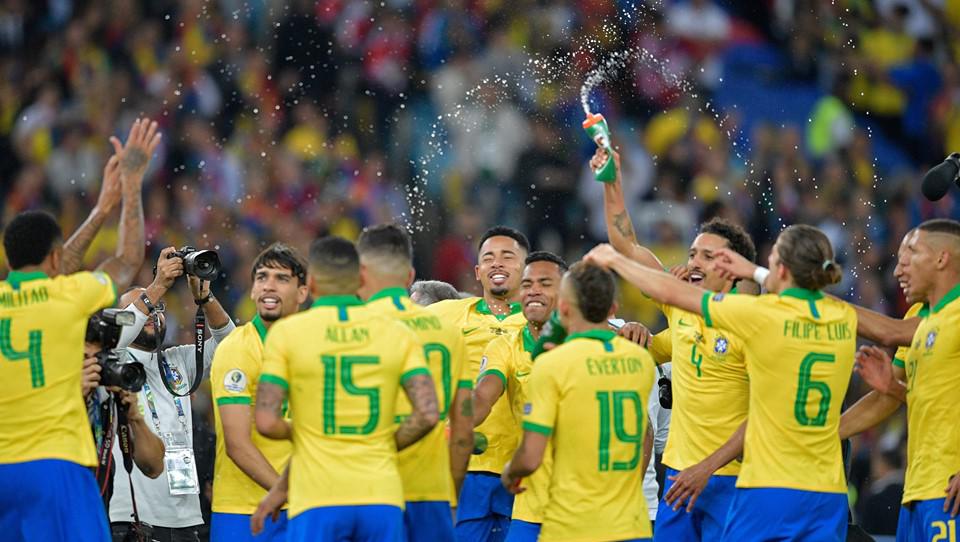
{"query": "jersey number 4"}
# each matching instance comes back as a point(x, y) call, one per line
point(32, 353)
point(345, 373)
point(621, 402)
point(806, 385)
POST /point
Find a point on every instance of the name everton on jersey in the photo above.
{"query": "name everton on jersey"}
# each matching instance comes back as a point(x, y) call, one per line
point(613, 366)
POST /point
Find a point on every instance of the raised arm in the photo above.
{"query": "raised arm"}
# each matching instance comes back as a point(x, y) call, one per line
point(134, 157)
point(619, 226)
point(79, 242)
point(268, 414)
point(660, 286)
point(884, 330)
point(461, 435)
point(425, 413)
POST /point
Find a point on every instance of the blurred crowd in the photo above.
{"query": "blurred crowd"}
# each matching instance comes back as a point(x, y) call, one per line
point(286, 120)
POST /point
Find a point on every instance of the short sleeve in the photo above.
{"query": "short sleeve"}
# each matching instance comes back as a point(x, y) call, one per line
point(661, 347)
point(496, 360)
point(276, 363)
point(543, 397)
point(233, 373)
point(459, 353)
point(732, 312)
point(900, 358)
point(414, 362)
point(93, 290)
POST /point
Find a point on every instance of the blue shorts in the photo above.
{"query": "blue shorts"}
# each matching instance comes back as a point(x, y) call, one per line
point(709, 514)
point(923, 521)
point(523, 531)
point(763, 514)
point(51, 500)
point(428, 521)
point(361, 523)
point(236, 528)
point(484, 509)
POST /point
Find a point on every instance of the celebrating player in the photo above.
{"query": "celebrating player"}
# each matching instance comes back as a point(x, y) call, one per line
point(46, 490)
point(507, 369)
point(342, 369)
point(247, 464)
point(587, 398)
point(799, 350)
point(483, 513)
point(386, 271)
point(710, 388)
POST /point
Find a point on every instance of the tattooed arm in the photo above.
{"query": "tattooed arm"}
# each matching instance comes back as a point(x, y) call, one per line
point(461, 435)
point(619, 226)
point(268, 416)
point(134, 157)
point(423, 398)
point(79, 242)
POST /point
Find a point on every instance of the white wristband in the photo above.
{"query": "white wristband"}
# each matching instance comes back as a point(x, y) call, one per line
point(760, 275)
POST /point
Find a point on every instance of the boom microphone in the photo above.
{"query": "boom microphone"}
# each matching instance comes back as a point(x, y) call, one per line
point(936, 183)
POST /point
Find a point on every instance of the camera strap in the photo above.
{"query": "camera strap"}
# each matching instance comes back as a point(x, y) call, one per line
point(200, 324)
point(126, 449)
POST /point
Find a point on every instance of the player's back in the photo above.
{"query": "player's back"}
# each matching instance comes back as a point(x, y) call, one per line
point(42, 326)
point(425, 466)
point(591, 394)
point(800, 347)
point(343, 367)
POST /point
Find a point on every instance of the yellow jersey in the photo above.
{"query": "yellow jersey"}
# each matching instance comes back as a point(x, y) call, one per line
point(589, 395)
point(480, 326)
point(42, 326)
point(710, 389)
point(233, 377)
point(933, 449)
point(917, 309)
point(343, 368)
point(425, 466)
point(799, 349)
point(508, 358)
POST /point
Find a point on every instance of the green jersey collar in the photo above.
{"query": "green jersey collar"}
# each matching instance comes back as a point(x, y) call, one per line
point(604, 335)
point(337, 301)
point(14, 278)
point(953, 294)
point(528, 341)
point(802, 293)
point(260, 327)
point(924, 310)
point(483, 308)
point(389, 292)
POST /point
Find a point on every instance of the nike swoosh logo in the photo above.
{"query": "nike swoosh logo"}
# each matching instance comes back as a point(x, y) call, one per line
point(521, 375)
point(684, 324)
point(470, 330)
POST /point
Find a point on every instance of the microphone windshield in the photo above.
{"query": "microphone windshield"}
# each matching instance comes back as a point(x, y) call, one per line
point(937, 181)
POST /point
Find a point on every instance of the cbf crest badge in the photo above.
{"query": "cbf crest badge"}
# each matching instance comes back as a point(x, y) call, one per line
point(931, 339)
point(721, 345)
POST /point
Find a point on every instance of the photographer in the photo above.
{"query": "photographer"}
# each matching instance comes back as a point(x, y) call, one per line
point(169, 505)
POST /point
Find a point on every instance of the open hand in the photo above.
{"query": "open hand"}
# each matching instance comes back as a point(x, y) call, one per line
point(687, 486)
point(732, 265)
point(874, 366)
point(110, 190)
point(135, 154)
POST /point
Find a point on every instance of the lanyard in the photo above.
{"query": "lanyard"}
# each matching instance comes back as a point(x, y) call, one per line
point(153, 410)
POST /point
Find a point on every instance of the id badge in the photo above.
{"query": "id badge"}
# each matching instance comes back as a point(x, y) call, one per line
point(181, 469)
point(175, 440)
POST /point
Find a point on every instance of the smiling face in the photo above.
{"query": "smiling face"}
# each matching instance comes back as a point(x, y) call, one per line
point(501, 266)
point(540, 287)
point(699, 262)
point(276, 292)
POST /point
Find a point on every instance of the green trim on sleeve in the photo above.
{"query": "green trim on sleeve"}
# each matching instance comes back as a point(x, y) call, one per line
point(497, 373)
point(233, 401)
point(897, 362)
point(464, 385)
point(275, 380)
point(705, 308)
point(412, 373)
point(537, 428)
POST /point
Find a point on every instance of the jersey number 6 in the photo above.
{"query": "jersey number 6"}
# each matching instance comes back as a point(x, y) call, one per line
point(805, 386)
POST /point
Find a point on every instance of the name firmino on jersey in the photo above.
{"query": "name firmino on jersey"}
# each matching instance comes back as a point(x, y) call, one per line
point(835, 331)
point(613, 366)
point(19, 298)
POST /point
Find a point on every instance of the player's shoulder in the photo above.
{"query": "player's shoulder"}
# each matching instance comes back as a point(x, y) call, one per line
point(453, 307)
point(239, 339)
point(917, 309)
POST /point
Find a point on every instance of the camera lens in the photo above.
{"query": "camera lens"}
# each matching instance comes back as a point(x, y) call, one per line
point(203, 264)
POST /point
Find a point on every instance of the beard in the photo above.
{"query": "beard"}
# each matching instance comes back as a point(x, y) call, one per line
point(270, 317)
point(150, 340)
point(499, 291)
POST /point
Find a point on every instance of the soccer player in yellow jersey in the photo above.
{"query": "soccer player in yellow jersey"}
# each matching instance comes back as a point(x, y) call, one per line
point(710, 387)
point(484, 507)
point(248, 464)
point(343, 368)
point(47, 491)
point(506, 375)
point(800, 350)
point(431, 469)
point(587, 398)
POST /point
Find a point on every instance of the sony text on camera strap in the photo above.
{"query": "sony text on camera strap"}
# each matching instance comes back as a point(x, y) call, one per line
point(200, 325)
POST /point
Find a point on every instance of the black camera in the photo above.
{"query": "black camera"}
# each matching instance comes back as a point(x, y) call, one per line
point(104, 328)
point(203, 264)
point(665, 392)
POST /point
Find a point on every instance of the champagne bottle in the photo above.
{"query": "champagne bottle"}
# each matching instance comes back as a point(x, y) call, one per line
point(553, 332)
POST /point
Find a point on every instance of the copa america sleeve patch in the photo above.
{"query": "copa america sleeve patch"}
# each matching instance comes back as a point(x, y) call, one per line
point(483, 363)
point(718, 297)
point(235, 381)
